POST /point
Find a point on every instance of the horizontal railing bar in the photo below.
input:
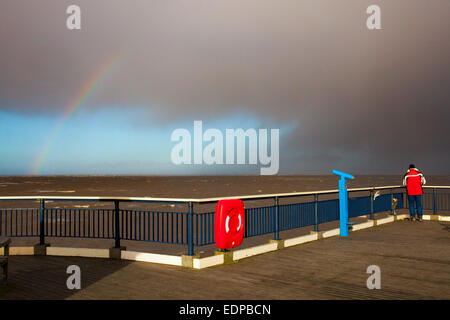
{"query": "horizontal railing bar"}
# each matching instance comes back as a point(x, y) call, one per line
point(37, 209)
point(201, 200)
point(84, 198)
point(437, 187)
point(293, 194)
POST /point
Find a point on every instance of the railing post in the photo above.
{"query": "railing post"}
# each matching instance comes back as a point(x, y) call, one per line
point(434, 201)
point(405, 195)
point(42, 222)
point(316, 212)
point(403, 201)
point(392, 203)
point(191, 230)
point(371, 205)
point(116, 224)
point(277, 220)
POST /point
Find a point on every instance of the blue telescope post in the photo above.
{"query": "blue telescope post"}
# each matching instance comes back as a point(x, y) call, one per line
point(343, 202)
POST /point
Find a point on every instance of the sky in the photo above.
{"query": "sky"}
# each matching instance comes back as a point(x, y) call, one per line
point(105, 99)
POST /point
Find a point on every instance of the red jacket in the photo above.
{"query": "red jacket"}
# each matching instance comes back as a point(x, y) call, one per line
point(414, 179)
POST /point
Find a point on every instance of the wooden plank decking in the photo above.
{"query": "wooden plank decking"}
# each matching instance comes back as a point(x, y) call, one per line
point(414, 258)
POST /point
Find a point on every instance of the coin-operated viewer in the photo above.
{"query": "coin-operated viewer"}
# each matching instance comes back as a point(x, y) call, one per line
point(343, 202)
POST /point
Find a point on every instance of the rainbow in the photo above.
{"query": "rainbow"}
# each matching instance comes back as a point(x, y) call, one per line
point(88, 87)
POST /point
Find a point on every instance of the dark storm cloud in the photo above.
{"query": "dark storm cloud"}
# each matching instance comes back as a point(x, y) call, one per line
point(380, 98)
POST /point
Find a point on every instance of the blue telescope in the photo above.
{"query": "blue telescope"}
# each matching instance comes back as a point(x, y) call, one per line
point(343, 202)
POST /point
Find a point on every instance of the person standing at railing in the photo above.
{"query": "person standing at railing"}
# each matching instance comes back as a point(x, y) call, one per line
point(413, 180)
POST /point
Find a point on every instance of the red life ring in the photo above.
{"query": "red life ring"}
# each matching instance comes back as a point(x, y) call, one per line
point(229, 223)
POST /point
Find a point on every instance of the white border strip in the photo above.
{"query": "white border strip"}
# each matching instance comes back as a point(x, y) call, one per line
point(439, 217)
point(299, 240)
point(331, 233)
point(151, 257)
point(208, 261)
point(78, 252)
point(253, 251)
point(364, 225)
point(385, 220)
point(19, 251)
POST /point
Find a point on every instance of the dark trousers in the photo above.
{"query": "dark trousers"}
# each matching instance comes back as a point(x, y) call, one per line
point(415, 201)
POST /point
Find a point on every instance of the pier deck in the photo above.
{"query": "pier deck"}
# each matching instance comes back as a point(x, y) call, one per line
point(414, 258)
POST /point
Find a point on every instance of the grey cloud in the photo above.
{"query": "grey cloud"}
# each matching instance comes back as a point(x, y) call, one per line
point(377, 94)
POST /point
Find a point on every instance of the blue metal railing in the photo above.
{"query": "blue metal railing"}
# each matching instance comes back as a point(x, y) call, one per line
point(259, 221)
point(262, 220)
point(153, 226)
point(79, 223)
point(328, 210)
point(192, 228)
point(297, 215)
point(436, 201)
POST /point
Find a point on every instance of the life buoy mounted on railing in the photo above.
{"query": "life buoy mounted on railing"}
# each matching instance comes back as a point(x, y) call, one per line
point(229, 223)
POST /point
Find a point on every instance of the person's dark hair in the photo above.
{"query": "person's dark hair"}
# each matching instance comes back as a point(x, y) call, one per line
point(411, 166)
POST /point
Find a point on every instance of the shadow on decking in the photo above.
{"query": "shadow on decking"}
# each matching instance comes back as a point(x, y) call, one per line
point(44, 277)
point(445, 227)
